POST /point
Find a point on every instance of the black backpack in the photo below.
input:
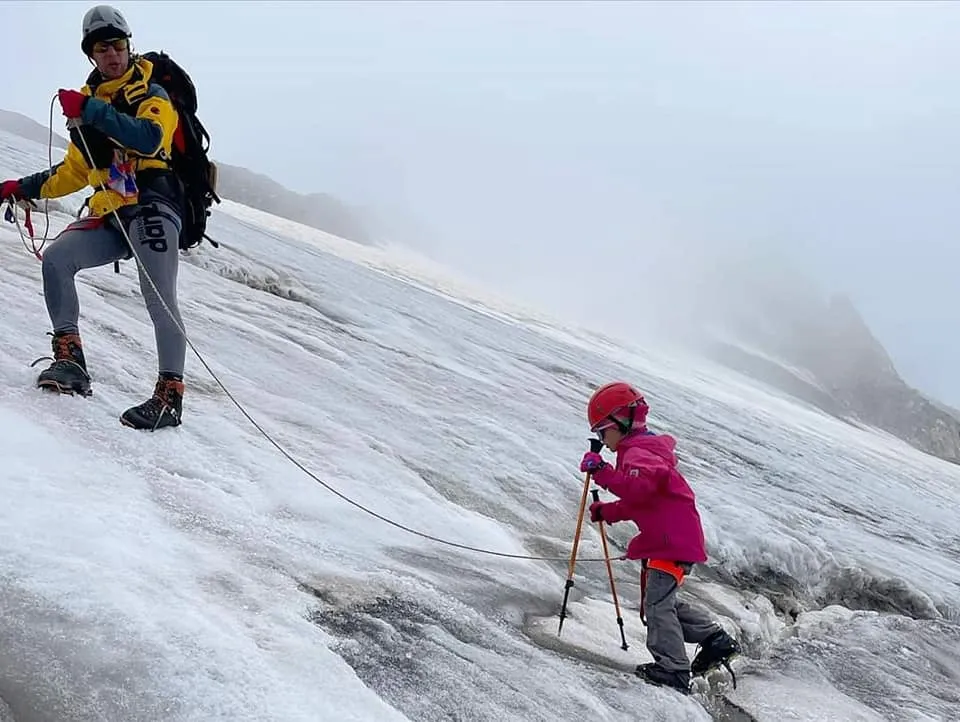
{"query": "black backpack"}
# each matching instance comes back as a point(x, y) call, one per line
point(190, 145)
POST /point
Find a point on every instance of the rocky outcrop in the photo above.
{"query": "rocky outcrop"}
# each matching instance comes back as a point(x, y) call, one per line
point(857, 370)
point(827, 356)
point(756, 312)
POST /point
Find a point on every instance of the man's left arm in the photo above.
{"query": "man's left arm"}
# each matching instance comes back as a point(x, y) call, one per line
point(147, 133)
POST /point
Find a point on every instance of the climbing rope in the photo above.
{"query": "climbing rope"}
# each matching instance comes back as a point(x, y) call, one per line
point(10, 216)
point(11, 213)
point(283, 451)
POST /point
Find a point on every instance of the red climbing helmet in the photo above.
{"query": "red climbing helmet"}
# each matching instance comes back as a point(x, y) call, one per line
point(617, 403)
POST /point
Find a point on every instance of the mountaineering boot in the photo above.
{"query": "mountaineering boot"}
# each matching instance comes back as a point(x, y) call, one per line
point(68, 372)
point(657, 675)
point(160, 410)
point(717, 649)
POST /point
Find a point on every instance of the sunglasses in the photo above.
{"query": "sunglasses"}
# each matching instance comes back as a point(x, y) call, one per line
point(602, 431)
point(120, 44)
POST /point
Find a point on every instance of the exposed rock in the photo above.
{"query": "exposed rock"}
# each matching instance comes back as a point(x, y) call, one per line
point(824, 353)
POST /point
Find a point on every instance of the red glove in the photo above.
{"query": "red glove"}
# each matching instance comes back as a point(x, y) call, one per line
point(72, 102)
point(10, 189)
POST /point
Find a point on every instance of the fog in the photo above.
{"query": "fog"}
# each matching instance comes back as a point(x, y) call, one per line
point(597, 160)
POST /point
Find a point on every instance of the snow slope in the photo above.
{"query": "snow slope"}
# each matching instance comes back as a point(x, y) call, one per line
point(198, 574)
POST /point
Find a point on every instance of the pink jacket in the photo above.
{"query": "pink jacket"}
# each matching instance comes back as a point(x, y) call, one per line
point(656, 497)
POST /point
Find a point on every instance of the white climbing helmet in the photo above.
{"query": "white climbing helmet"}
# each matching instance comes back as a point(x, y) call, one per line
point(103, 23)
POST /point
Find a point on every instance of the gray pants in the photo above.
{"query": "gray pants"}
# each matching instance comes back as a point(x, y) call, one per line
point(671, 622)
point(154, 230)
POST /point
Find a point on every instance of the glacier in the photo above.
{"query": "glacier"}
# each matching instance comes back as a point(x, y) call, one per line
point(234, 570)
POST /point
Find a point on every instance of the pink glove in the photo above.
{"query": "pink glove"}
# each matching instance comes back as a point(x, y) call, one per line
point(72, 102)
point(592, 461)
point(596, 511)
point(10, 189)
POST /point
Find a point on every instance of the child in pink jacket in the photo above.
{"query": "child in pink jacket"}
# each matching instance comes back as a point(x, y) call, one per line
point(655, 496)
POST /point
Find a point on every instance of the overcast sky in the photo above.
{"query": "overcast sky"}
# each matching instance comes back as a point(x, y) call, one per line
point(557, 149)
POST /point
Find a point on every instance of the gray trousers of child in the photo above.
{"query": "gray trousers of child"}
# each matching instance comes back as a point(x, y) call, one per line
point(671, 622)
point(154, 230)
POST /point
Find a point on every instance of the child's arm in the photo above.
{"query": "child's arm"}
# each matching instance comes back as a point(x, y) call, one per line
point(641, 475)
point(611, 512)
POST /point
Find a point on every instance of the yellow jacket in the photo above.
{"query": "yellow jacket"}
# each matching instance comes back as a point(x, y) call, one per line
point(127, 120)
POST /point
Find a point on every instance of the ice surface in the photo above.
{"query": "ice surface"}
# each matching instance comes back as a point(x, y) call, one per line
point(197, 574)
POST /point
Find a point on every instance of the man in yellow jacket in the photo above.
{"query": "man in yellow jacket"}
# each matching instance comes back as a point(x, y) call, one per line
point(121, 133)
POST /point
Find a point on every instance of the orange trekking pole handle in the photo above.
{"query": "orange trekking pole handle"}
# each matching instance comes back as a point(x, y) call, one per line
point(595, 445)
point(613, 586)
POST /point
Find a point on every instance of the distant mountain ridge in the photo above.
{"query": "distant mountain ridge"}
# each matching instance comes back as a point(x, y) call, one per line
point(774, 327)
point(319, 210)
point(29, 129)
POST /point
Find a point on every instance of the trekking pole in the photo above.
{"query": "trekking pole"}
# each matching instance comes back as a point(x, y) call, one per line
point(595, 445)
point(613, 587)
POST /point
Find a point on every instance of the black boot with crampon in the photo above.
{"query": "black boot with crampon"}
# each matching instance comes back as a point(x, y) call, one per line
point(716, 650)
point(653, 673)
point(160, 410)
point(68, 372)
